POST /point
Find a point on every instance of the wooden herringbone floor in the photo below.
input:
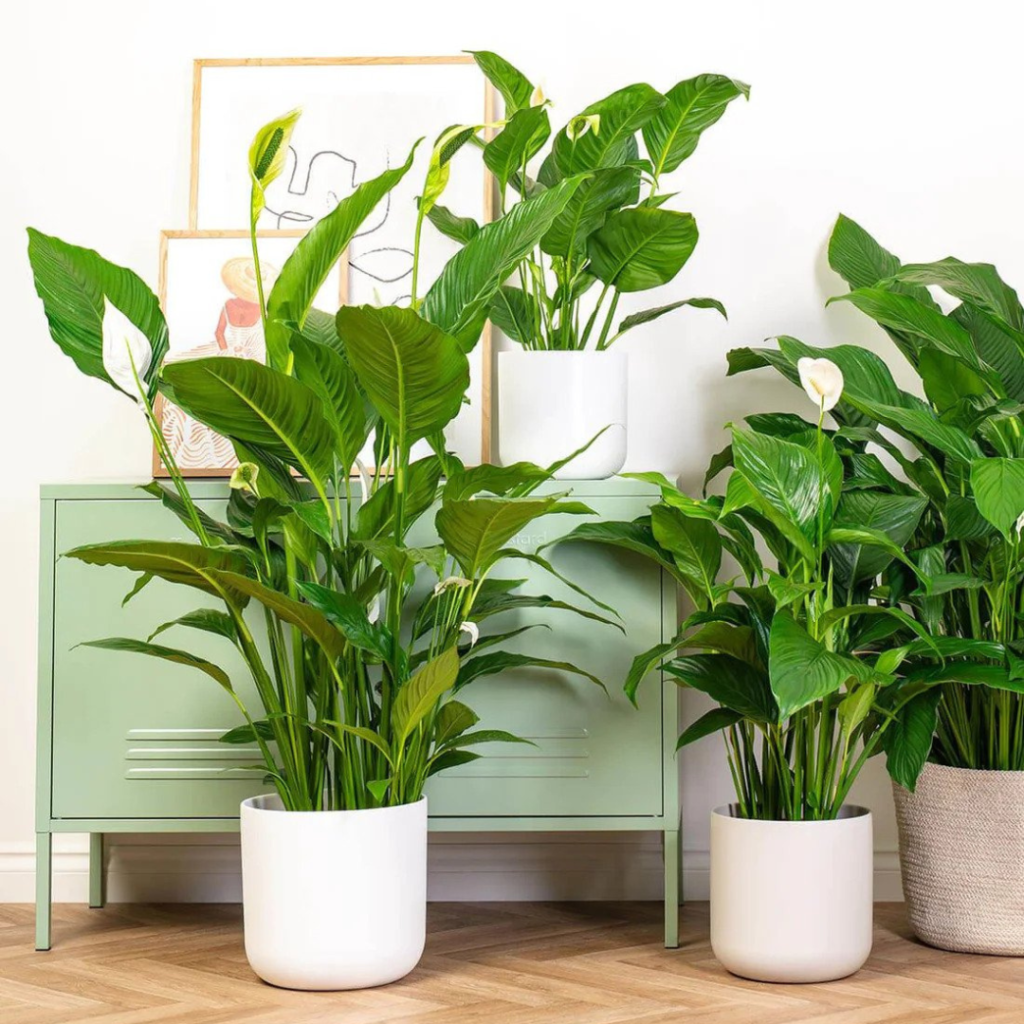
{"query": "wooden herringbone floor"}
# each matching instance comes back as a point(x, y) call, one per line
point(485, 964)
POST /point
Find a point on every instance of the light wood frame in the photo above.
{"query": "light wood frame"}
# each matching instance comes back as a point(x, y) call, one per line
point(490, 200)
point(165, 237)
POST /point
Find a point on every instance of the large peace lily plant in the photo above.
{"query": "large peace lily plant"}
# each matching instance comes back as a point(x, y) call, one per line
point(317, 571)
point(615, 235)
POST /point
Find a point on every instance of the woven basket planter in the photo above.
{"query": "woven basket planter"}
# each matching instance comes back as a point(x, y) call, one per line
point(962, 858)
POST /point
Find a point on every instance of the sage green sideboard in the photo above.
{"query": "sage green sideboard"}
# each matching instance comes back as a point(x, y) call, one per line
point(128, 744)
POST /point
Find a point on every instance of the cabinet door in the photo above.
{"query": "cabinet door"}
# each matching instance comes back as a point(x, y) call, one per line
point(594, 754)
point(134, 737)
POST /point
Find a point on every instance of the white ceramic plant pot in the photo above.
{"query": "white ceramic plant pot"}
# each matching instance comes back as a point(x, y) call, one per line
point(552, 403)
point(791, 901)
point(333, 899)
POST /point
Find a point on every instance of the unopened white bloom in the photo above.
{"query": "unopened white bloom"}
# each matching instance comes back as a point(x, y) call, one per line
point(451, 581)
point(822, 380)
point(1019, 524)
point(364, 479)
point(472, 629)
point(244, 476)
point(123, 345)
point(580, 125)
point(537, 97)
point(374, 613)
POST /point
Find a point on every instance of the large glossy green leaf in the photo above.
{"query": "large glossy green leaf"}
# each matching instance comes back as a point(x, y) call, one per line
point(504, 661)
point(610, 188)
point(375, 518)
point(800, 670)
point(207, 620)
point(998, 486)
point(475, 530)
point(621, 115)
point(641, 248)
point(731, 682)
point(72, 283)
point(419, 695)
point(349, 615)
point(515, 313)
point(710, 722)
point(515, 88)
point(119, 643)
point(907, 741)
point(646, 662)
point(694, 543)
point(459, 298)
point(785, 474)
point(188, 564)
point(692, 106)
point(647, 315)
point(947, 381)
point(306, 270)
point(997, 345)
point(257, 405)
point(921, 424)
point(459, 229)
point(895, 515)
point(327, 373)
point(636, 536)
point(517, 143)
point(415, 374)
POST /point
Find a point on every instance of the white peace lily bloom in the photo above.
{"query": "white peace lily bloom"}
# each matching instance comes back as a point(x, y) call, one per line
point(364, 479)
point(822, 380)
point(537, 97)
point(1019, 524)
point(124, 344)
point(374, 613)
point(472, 629)
point(451, 581)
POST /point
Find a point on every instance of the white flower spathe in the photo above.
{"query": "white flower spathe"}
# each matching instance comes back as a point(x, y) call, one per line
point(1019, 524)
point(124, 344)
point(822, 380)
point(451, 581)
point(472, 629)
point(537, 97)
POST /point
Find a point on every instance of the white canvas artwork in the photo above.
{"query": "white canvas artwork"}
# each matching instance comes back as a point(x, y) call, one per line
point(357, 121)
point(211, 304)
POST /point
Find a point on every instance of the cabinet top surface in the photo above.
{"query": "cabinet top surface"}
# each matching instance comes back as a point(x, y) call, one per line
point(205, 488)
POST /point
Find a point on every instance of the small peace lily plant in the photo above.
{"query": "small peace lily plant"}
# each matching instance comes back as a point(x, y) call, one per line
point(804, 654)
point(318, 568)
point(615, 235)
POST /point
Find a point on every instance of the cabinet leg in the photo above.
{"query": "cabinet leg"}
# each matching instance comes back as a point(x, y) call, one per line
point(97, 871)
point(44, 891)
point(671, 851)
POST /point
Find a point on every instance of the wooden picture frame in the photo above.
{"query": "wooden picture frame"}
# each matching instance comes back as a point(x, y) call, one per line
point(200, 219)
point(244, 247)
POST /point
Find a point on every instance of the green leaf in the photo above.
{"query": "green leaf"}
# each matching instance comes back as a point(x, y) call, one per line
point(710, 722)
point(72, 283)
point(459, 229)
point(998, 486)
point(328, 375)
point(727, 638)
point(636, 536)
point(947, 380)
point(518, 143)
point(645, 663)
point(450, 759)
point(514, 312)
point(378, 789)
point(246, 734)
point(907, 741)
point(349, 615)
point(730, 682)
point(453, 719)
point(924, 425)
point(514, 481)
point(610, 188)
point(647, 315)
point(471, 739)
point(460, 297)
point(694, 543)
point(259, 406)
point(317, 252)
point(621, 115)
point(120, 643)
point(418, 696)
point(801, 670)
point(895, 515)
point(538, 560)
point(490, 603)
point(693, 106)
point(414, 373)
point(208, 620)
point(475, 530)
point(504, 661)
point(641, 248)
point(376, 516)
point(187, 564)
point(367, 735)
point(304, 617)
point(401, 561)
point(267, 156)
point(514, 86)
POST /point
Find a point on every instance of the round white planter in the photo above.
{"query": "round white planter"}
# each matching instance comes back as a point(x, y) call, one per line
point(962, 858)
point(552, 403)
point(791, 901)
point(333, 899)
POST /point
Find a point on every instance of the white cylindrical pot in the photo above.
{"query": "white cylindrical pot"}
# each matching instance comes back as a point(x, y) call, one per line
point(552, 403)
point(333, 899)
point(791, 901)
point(962, 858)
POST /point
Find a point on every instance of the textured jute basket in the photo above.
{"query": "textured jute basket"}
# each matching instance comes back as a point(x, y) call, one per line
point(962, 857)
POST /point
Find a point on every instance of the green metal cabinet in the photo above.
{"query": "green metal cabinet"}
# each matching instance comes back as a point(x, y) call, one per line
point(127, 744)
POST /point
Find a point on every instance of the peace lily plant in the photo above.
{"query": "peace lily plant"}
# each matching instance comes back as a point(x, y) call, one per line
point(616, 236)
point(354, 598)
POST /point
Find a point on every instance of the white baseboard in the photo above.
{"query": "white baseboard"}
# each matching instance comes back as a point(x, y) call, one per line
point(205, 869)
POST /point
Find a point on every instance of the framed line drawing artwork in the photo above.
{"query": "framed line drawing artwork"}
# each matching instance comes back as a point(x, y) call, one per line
point(209, 298)
point(360, 116)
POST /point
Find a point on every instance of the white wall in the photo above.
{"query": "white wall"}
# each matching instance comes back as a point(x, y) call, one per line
point(905, 116)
